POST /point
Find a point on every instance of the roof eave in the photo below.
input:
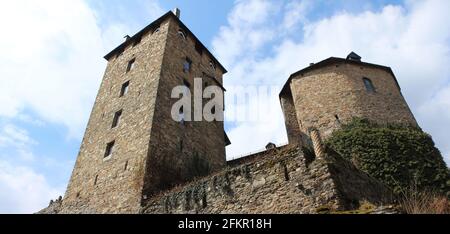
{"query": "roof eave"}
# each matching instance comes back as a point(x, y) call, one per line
point(322, 63)
point(157, 22)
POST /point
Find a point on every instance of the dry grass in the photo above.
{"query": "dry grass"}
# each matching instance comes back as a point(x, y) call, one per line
point(414, 201)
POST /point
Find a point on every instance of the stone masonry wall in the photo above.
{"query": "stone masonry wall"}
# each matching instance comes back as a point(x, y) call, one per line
point(290, 119)
point(178, 152)
point(327, 97)
point(114, 184)
point(282, 182)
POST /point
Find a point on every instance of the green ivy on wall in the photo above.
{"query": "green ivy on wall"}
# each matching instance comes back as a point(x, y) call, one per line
point(398, 155)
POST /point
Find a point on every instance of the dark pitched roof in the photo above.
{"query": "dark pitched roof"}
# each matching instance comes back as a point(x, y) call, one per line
point(156, 24)
point(354, 56)
point(333, 60)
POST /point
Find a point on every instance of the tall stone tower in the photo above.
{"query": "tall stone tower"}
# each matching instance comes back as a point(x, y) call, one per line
point(334, 91)
point(132, 148)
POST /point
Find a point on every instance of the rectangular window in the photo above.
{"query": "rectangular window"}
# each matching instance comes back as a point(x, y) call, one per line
point(116, 119)
point(187, 65)
point(131, 65)
point(124, 89)
point(369, 85)
point(109, 149)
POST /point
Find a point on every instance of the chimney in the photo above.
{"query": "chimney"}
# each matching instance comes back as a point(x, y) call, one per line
point(127, 37)
point(354, 57)
point(177, 12)
point(311, 64)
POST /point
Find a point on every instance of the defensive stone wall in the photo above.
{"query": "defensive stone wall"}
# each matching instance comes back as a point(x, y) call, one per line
point(281, 182)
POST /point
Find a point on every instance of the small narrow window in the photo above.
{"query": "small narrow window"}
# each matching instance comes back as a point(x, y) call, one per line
point(182, 116)
point(213, 110)
point(369, 85)
point(131, 65)
point(204, 201)
point(96, 180)
point(286, 173)
point(126, 166)
point(157, 30)
point(124, 89)
point(116, 119)
point(182, 34)
point(109, 149)
point(338, 120)
point(187, 65)
point(181, 145)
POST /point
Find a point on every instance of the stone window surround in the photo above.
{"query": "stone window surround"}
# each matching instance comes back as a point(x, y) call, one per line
point(131, 65)
point(368, 84)
point(124, 89)
point(187, 65)
point(117, 118)
point(109, 150)
point(182, 34)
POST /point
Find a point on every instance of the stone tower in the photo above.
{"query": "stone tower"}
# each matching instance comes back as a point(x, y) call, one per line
point(334, 91)
point(132, 148)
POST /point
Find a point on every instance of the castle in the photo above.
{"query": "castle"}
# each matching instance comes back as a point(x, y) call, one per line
point(133, 153)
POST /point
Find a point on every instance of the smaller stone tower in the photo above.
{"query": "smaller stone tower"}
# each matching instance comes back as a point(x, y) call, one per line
point(332, 92)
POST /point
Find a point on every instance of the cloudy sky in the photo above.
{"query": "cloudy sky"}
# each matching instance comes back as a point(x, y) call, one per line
point(51, 66)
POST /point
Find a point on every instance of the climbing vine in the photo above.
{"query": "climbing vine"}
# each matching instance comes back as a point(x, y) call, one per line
point(397, 155)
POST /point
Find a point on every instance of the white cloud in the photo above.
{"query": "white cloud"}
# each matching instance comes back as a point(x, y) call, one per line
point(24, 118)
point(296, 13)
point(12, 136)
point(247, 30)
point(254, 134)
point(23, 190)
point(51, 62)
point(51, 66)
point(414, 39)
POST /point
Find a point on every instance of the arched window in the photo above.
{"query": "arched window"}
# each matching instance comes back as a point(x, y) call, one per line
point(182, 34)
point(369, 85)
point(212, 65)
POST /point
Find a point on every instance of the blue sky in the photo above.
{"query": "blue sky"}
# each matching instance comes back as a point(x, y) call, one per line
point(51, 67)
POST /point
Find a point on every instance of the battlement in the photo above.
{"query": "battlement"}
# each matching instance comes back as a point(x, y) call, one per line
point(256, 156)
